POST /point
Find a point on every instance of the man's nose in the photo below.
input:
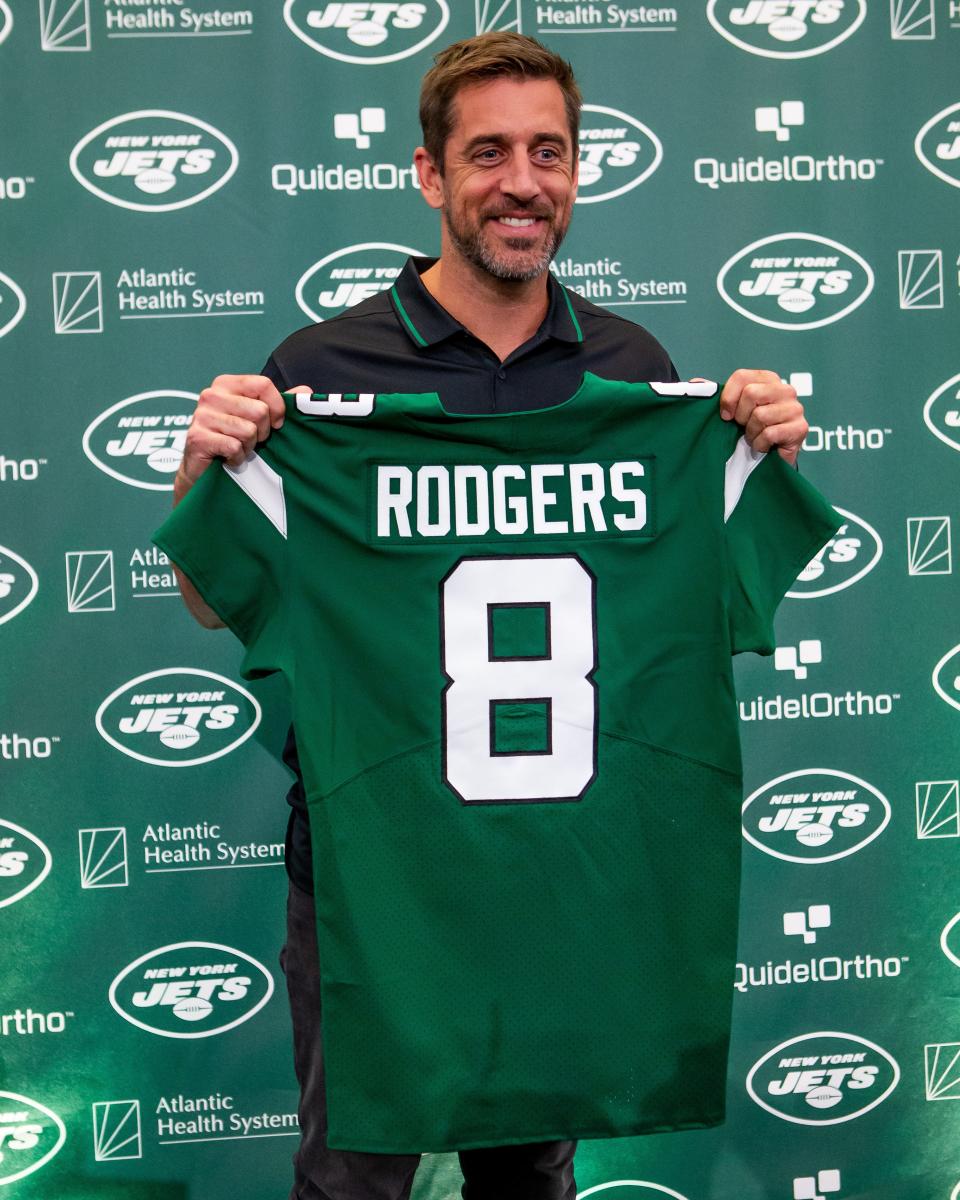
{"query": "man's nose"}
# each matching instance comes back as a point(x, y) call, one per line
point(518, 178)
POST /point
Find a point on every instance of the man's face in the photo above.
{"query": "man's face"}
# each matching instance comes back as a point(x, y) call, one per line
point(510, 176)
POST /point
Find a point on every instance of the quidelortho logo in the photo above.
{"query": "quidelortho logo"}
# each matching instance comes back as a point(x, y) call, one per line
point(18, 584)
point(788, 278)
point(942, 412)
point(367, 33)
point(30, 1135)
point(853, 550)
point(178, 717)
point(153, 160)
point(191, 990)
point(786, 28)
point(837, 1075)
point(617, 153)
point(140, 440)
point(937, 145)
point(13, 303)
point(345, 277)
point(24, 862)
point(814, 816)
point(946, 677)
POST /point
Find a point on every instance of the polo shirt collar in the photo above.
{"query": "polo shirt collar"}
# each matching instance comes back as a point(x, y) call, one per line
point(427, 323)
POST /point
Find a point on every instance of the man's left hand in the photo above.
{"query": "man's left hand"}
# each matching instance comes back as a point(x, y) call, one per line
point(768, 410)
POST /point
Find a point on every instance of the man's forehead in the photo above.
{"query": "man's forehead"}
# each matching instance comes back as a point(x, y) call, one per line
point(510, 105)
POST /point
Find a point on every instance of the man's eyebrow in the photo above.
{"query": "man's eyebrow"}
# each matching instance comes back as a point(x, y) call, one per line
point(499, 139)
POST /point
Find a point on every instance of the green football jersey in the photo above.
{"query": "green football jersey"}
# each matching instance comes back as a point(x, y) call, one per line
point(508, 641)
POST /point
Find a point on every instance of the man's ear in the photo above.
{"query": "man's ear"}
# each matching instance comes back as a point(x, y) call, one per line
point(431, 181)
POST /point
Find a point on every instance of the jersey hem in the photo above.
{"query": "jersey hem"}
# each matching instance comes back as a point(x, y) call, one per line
point(537, 1135)
point(736, 776)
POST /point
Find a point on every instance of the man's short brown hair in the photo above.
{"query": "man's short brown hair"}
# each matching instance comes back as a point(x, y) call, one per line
point(479, 59)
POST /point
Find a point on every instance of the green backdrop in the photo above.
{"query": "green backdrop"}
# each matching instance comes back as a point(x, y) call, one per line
point(769, 183)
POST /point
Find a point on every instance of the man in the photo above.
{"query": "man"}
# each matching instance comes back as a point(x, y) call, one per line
point(487, 328)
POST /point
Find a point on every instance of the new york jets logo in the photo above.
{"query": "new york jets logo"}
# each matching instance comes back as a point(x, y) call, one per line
point(153, 160)
point(178, 717)
point(795, 281)
point(30, 1135)
point(814, 816)
point(950, 940)
point(786, 28)
point(942, 412)
point(140, 440)
point(617, 153)
point(823, 1078)
point(18, 584)
point(946, 677)
point(366, 33)
point(937, 145)
point(13, 304)
point(24, 862)
point(191, 990)
point(630, 1189)
point(852, 552)
point(345, 277)
point(6, 20)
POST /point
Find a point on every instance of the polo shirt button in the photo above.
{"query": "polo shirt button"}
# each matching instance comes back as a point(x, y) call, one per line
point(501, 375)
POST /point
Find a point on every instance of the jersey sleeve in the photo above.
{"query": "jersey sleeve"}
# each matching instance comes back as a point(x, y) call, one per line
point(775, 522)
point(229, 536)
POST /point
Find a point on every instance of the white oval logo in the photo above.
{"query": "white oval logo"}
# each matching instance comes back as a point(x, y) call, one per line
point(18, 584)
point(6, 20)
point(345, 277)
point(191, 990)
point(942, 412)
point(946, 677)
point(612, 1191)
point(769, 27)
point(950, 940)
point(366, 33)
point(160, 717)
point(140, 440)
point(777, 280)
point(937, 145)
point(852, 552)
point(13, 304)
point(24, 862)
point(30, 1135)
point(153, 160)
point(617, 153)
point(824, 1073)
point(814, 816)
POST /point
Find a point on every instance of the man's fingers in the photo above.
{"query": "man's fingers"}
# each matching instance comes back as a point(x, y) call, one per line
point(254, 387)
point(732, 396)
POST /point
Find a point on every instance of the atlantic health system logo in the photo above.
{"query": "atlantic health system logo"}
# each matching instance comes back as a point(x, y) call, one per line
point(191, 990)
point(178, 717)
point(784, 280)
point(153, 160)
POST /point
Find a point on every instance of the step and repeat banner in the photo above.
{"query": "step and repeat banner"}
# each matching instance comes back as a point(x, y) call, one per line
point(765, 183)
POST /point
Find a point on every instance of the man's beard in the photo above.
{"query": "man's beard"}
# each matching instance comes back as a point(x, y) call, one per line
point(475, 248)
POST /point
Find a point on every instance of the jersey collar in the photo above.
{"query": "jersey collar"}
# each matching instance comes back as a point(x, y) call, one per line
point(427, 323)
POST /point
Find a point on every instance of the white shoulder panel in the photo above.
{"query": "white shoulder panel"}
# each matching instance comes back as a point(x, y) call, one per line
point(264, 487)
point(698, 387)
point(740, 465)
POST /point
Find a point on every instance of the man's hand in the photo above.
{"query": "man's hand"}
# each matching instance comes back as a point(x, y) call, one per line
point(768, 410)
point(233, 414)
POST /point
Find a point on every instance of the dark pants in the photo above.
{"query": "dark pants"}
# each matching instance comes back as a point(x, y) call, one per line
point(536, 1171)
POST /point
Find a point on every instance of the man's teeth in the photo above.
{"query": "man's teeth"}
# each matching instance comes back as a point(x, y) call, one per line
point(517, 220)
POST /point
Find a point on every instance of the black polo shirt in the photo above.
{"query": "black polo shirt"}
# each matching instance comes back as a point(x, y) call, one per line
point(402, 340)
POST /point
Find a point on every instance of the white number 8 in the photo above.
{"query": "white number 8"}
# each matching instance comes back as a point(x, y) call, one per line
point(558, 681)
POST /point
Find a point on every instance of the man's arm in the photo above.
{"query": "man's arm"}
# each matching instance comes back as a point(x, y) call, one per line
point(233, 415)
point(768, 410)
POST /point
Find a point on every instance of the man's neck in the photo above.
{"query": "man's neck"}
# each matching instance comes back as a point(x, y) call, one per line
point(502, 313)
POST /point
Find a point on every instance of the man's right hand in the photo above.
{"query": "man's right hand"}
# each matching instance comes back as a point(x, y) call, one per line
point(233, 415)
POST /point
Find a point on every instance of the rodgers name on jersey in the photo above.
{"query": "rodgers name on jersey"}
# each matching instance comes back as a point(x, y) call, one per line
point(469, 500)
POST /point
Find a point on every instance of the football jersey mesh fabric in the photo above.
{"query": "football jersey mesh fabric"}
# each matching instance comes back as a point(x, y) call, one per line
point(519, 744)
